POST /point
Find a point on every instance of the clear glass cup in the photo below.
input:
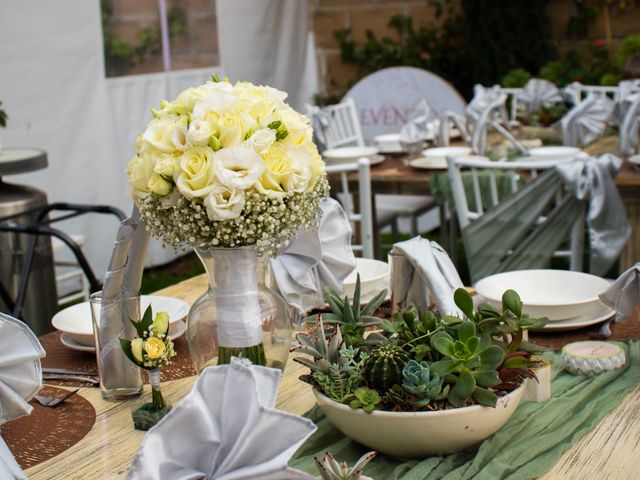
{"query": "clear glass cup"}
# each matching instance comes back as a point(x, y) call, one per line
point(120, 379)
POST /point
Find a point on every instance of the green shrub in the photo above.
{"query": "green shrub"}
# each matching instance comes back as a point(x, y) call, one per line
point(515, 78)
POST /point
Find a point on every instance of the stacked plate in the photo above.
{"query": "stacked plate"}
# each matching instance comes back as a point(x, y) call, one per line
point(351, 155)
point(568, 299)
point(389, 143)
point(559, 154)
point(77, 327)
point(436, 158)
point(374, 276)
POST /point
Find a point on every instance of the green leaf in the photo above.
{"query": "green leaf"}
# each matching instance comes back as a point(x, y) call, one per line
point(331, 318)
point(388, 326)
point(374, 303)
point(443, 343)
point(126, 348)
point(492, 356)
point(464, 302)
point(147, 319)
point(347, 314)
point(511, 301)
point(356, 299)
point(138, 327)
point(486, 378)
point(472, 344)
point(463, 388)
point(485, 397)
point(443, 367)
point(466, 330)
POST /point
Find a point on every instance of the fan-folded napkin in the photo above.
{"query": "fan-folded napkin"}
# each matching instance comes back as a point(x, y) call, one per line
point(624, 293)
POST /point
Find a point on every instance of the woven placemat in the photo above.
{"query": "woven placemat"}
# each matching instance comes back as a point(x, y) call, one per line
point(60, 356)
point(48, 431)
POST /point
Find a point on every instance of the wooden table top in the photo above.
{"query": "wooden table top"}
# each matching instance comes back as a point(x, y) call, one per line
point(609, 451)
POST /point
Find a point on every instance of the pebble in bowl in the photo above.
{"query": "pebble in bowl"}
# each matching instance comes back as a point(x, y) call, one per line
point(555, 294)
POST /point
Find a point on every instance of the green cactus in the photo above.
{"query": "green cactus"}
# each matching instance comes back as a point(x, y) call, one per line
point(423, 384)
point(469, 363)
point(383, 368)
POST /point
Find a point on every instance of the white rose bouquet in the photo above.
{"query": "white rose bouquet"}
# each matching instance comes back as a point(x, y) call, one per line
point(227, 166)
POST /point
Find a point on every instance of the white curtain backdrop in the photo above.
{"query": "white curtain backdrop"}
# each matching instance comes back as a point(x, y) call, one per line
point(267, 42)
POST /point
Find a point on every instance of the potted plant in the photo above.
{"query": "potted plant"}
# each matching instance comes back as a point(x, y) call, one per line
point(434, 383)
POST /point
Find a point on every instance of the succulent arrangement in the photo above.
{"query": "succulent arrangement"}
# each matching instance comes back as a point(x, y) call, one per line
point(419, 360)
point(331, 469)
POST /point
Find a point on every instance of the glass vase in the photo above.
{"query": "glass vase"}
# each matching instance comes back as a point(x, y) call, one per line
point(238, 315)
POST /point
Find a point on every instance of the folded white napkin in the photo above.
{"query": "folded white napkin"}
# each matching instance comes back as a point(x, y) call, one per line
point(421, 270)
point(538, 93)
point(586, 121)
point(226, 428)
point(624, 293)
point(20, 380)
point(420, 126)
point(315, 259)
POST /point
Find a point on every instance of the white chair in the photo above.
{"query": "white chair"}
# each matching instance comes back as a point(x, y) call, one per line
point(544, 215)
point(364, 217)
point(344, 130)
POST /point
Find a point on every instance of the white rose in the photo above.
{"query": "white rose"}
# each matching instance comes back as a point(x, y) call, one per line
point(139, 170)
point(297, 125)
point(158, 185)
point(238, 167)
point(196, 173)
point(301, 175)
point(231, 130)
point(191, 95)
point(261, 140)
point(199, 132)
point(224, 203)
point(217, 101)
point(167, 166)
point(160, 134)
point(278, 168)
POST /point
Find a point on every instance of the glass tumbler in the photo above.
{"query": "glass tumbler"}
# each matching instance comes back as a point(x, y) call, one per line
point(120, 379)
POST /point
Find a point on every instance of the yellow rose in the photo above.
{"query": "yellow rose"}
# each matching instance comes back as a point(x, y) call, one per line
point(136, 349)
point(196, 177)
point(191, 95)
point(297, 125)
point(231, 129)
point(154, 348)
point(278, 168)
point(161, 323)
point(158, 185)
point(317, 165)
point(139, 171)
point(167, 166)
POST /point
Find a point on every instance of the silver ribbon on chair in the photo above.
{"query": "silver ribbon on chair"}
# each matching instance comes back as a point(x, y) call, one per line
point(624, 294)
point(630, 127)
point(573, 93)
point(444, 123)
point(591, 179)
point(538, 93)
point(419, 128)
point(627, 92)
point(320, 121)
point(586, 121)
point(315, 260)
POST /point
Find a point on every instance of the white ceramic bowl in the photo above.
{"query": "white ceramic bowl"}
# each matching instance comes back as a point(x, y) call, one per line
point(444, 152)
point(556, 294)
point(374, 276)
point(389, 143)
point(76, 322)
point(348, 154)
point(561, 154)
point(420, 434)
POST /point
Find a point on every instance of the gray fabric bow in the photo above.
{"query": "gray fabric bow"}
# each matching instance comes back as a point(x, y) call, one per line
point(624, 294)
point(422, 270)
point(591, 179)
point(419, 127)
point(627, 91)
point(538, 93)
point(320, 122)
point(630, 127)
point(445, 119)
point(586, 121)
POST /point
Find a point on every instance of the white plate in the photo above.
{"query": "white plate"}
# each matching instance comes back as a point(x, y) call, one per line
point(561, 154)
point(348, 154)
point(374, 276)
point(443, 152)
point(438, 163)
point(176, 330)
point(555, 294)
point(389, 143)
point(76, 322)
point(596, 314)
point(635, 159)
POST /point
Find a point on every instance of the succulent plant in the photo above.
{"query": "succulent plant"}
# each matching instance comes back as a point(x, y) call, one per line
point(351, 319)
point(413, 328)
point(339, 382)
point(331, 469)
point(469, 364)
point(418, 380)
point(366, 399)
point(324, 351)
point(383, 368)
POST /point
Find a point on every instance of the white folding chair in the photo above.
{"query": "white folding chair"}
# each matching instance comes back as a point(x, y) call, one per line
point(364, 217)
point(344, 130)
point(518, 173)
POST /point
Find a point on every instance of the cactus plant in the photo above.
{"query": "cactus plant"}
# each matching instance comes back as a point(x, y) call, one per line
point(331, 469)
point(351, 318)
point(418, 380)
point(383, 368)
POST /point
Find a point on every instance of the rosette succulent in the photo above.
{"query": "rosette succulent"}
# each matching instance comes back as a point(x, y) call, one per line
point(418, 380)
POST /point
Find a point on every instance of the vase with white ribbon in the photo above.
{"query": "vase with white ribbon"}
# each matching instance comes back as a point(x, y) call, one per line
point(238, 315)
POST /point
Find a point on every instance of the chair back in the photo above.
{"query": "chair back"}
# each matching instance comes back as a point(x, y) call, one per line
point(344, 127)
point(362, 242)
point(512, 102)
point(518, 225)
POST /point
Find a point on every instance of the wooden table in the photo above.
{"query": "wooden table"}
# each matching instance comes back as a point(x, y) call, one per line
point(608, 452)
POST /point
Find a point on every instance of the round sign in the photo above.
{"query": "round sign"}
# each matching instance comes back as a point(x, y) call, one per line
point(387, 98)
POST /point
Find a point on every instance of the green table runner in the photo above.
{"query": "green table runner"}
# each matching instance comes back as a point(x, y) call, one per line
point(527, 446)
